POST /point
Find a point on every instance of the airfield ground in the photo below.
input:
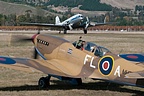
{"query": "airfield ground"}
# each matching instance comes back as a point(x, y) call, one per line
point(19, 83)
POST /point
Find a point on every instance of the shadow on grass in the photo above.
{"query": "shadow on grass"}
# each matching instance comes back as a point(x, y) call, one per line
point(85, 86)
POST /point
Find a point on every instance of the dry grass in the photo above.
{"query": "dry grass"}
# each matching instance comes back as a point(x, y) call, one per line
point(18, 83)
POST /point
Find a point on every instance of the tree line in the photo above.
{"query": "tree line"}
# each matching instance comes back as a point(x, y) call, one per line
point(13, 20)
point(123, 17)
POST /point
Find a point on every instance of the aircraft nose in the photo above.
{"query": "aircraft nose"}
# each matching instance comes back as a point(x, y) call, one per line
point(33, 38)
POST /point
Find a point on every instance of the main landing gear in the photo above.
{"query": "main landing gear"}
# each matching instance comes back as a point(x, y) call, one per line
point(65, 31)
point(85, 31)
point(44, 82)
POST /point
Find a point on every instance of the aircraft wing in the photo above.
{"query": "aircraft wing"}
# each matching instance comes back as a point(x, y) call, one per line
point(138, 75)
point(99, 24)
point(54, 66)
point(139, 60)
point(133, 57)
point(42, 24)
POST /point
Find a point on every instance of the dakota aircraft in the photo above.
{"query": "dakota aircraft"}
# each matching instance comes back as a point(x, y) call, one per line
point(63, 60)
point(76, 21)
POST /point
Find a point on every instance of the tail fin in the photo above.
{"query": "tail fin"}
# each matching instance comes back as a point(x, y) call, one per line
point(106, 19)
point(57, 20)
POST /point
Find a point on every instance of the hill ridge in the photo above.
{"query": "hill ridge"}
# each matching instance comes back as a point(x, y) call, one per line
point(130, 4)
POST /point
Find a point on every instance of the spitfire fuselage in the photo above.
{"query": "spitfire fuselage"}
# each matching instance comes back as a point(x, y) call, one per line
point(83, 63)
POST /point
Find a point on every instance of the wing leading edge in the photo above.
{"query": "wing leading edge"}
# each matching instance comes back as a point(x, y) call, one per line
point(43, 24)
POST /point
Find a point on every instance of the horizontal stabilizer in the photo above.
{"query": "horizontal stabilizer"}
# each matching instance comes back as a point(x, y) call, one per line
point(133, 57)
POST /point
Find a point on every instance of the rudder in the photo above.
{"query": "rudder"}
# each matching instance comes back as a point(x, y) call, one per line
point(57, 20)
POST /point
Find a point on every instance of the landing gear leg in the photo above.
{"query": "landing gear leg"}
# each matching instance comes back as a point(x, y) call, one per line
point(85, 31)
point(44, 82)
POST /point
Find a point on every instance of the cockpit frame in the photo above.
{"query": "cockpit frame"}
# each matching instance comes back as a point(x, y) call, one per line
point(96, 49)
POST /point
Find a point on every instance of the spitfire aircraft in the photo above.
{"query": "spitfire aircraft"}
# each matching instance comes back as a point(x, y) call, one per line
point(63, 60)
point(76, 21)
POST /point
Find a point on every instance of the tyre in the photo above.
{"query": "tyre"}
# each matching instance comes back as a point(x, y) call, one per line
point(43, 82)
point(85, 31)
point(79, 81)
point(65, 31)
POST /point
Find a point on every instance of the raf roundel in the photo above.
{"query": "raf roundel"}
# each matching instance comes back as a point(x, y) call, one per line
point(105, 65)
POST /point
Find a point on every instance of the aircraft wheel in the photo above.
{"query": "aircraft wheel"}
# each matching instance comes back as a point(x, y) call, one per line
point(65, 31)
point(79, 81)
point(85, 31)
point(43, 82)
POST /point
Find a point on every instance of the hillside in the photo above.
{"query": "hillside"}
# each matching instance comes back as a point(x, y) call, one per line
point(98, 5)
point(130, 4)
point(18, 9)
point(89, 5)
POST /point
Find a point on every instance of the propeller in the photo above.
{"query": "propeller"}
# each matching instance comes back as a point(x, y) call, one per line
point(87, 23)
point(35, 54)
point(22, 38)
point(70, 26)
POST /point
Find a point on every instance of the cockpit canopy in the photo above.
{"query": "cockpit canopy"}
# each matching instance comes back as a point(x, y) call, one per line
point(97, 50)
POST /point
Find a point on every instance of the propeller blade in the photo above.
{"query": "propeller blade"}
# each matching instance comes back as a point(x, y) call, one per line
point(25, 39)
point(21, 38)
point(70, 27)
point(18, 39)
point(87, 19)
point(35, 55)
point(87, 23)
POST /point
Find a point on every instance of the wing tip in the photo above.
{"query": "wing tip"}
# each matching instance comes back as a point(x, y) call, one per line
point(7, 60)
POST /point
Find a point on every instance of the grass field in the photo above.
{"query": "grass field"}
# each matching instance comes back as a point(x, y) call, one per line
point(19, 83)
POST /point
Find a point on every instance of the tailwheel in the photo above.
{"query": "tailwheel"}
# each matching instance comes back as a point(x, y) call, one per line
point(44, 82)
